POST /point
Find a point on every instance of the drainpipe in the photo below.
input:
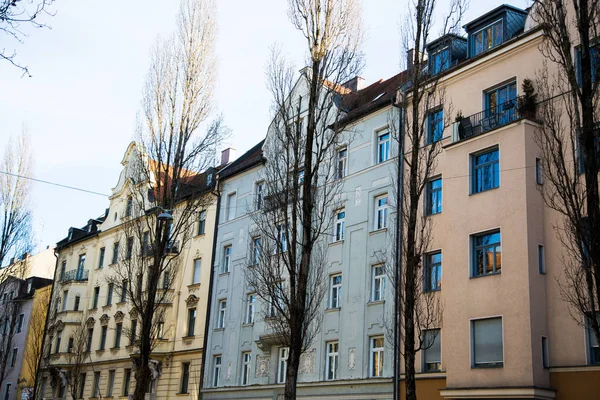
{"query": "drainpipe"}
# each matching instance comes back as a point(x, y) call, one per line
point(210, 290)
point(39, 369)
point(399, 103)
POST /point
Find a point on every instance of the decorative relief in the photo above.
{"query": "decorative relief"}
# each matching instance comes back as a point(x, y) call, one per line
point(357, 196)
point(262, 366)
point(133, 314)
point(59, 325)
point(352, 358)
point(191, 301)
point(119, 316)
point(307, 362)
point(228, 374)
point(90, 322)
point(104, 319)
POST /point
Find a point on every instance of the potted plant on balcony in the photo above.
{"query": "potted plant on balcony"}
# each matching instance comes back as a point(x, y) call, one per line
point(528, 102)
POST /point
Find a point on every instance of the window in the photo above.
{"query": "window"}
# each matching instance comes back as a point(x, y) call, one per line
point(216, 370)
point(250, 308)
point(440, 61)
point(7, 391)
point(594, 349)
point(260, 195)
point(594, 59)
point(146, 248)
point(335, 291)
point(20, 323)
point(433, 271)
point(89, 339)
point(118, 331)
point(486, 171)
point(487, 257)
point(277, 302)
point(50, 340)
point(64, 300)
point(381, 212)
point(101, 258)
point(126, 381)
point(231, 205)
point(77, 301)
point(166, 281)
point(487, 348)
point(301, 177)
point(129, 248)
point(63, 269)
point(256, 245)
point(197, 265)
point(541, 260)
point(202, 223)
point(342, 163)
point(221, 314)
point(133, 332)
point(284, 352)
point(435, 125)
point(96, 389)
point(539, 172)
point(111, 288)
point(383, 147)
point(185, 377)
point(129, 207)
point(486, 38)
point(378, 283)
point(281, 238)
point(96, 296)
point(124, 291)
point(191, 321)
point(376, 359)
point(111, 383)
point(434, 196)
point(80, 266)
point(81, 385)
point(432, 353)
point(545, 358)
point(246, 367)
point(500, 106)
point(160, 330)
point(13, 359)
point(226, 259)
point(115, 255)
point(340, 224)
point(332, 360)
point(70, 345)
point(58, 339)
point(103, 338)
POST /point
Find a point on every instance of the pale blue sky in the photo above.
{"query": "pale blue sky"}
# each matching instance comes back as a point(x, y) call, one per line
point(88, 71)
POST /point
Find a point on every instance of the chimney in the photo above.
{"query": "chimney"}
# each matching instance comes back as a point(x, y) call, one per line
point(227, 156)
point(355, 84)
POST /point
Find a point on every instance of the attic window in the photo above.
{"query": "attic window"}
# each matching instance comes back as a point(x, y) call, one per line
point(378, 97)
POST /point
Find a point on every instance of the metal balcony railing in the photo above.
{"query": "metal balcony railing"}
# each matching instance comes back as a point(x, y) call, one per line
point(75, 275)
point(490, 119)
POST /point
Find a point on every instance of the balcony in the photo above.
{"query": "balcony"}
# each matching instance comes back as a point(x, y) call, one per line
point(77, 275)
point(493, 118)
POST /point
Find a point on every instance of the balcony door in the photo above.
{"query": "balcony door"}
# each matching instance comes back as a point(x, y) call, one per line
point(500, 105)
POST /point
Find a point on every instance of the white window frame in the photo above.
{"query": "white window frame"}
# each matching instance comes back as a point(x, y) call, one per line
point(255, 250)
point(335, 291)
point(383, 145)
point(259, 195)
point(333, 352)
point(378, 279)
point(376, 352)
point(217, 361)
point(342, 163)
point(282, 359)
point(226, 266)
point(202, 223)
point(197, 269)
point(231, 204)
point(246, 367)
point(222, 311)
point(381, 212)
point(340, 225)
point(250, 308)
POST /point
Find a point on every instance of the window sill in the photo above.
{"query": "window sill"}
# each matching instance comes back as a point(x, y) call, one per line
point(484, 191)
point(336, 242)
point(194, 285)
point(433, 214)
point(375, 302)
point(248, 324)
point(484, 275)
point(332, 309)
point(219, 329)
point(432, 290)
point(121, 303)
point(376, 231)
point(487, 366)
point(200, 235)
point(92, 309)
point(100, 351)
point(189, 337)
point(106, 306)
point(115, 349)
point(223, 273)
point(182, 394)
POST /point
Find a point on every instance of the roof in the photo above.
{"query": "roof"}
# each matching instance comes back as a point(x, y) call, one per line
point(442, 39)
point(490, 13)
point(371, 98)
point(249, 159)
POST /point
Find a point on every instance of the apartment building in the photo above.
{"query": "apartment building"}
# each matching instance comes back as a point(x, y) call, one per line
point(494, 260)
point(87, 302)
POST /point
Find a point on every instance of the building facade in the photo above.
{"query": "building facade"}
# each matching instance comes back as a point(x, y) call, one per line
point(506, 331)
point(86, 300)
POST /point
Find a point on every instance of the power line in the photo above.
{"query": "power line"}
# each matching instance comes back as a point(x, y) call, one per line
point(54, 184)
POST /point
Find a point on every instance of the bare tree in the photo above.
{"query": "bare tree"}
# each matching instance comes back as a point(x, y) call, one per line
point(16, 15)
point(419, 148)
point(170, 182)
point(15, 192)
point(299, 175)
point(77, 353)
point(10, 308)
point(569, 143)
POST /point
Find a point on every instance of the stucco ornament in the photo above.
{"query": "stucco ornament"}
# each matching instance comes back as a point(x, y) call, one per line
point(59, 326)
point(191, 301)
point(119, 316)
point(307, 362)
point(133, 314)
point(352, 358)
point(155, 369)
point(228, 374)
point(357, 196)
point(90, 322)
point(104, 319)
point(262, 366)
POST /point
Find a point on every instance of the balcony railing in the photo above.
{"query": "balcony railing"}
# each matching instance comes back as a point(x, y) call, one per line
point(75, 275)
point(490, 119)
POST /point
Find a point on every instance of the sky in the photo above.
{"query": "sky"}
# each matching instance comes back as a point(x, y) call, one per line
point(80, 105)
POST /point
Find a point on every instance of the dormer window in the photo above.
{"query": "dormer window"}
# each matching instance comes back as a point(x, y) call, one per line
point(488, 37)
point(440, 61)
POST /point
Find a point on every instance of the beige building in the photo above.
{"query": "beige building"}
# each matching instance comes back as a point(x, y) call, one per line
point(83, 296)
